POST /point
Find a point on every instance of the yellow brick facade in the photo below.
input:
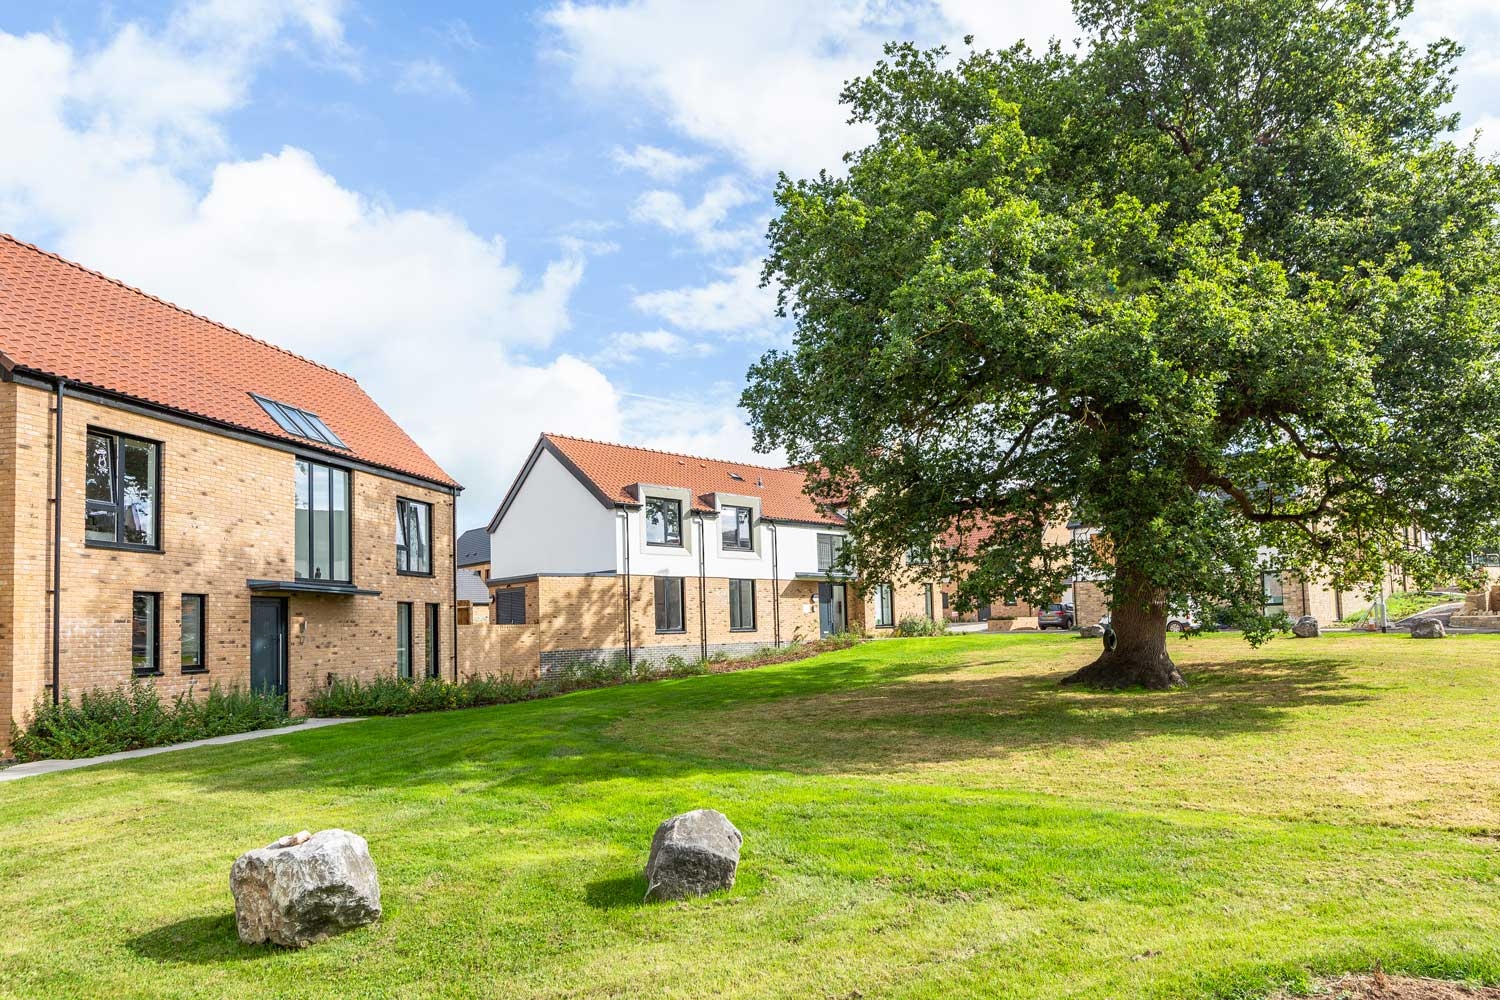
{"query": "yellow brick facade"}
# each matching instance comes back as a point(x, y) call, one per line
point(227, 516)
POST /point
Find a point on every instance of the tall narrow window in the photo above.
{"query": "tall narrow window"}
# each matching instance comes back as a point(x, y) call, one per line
point(663, 521)
point(829, 549)
point(145, 634)
point(413, 537)
point(403, 640)
point(193, 657)
point(122, 490)
point(742, 605)
point(669, 604)
point(737, 524)
point(927, 600)
point(884, 611)
point(433, 615)
point(322, 522)
point(1270, 584)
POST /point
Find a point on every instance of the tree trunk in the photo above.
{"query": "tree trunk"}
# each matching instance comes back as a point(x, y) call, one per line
point(1139, 657)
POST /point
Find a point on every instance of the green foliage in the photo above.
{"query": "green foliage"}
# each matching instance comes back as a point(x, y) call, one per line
point(919, 625)
point(1218, 283)
point(109, 720)
point(398, 696)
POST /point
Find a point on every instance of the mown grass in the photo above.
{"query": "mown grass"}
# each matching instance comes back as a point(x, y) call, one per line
point(923, 818)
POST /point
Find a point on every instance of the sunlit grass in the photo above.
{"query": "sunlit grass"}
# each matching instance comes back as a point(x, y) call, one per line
point(923, 818)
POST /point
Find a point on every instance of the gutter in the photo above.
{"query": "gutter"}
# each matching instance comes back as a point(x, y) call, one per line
point(702, 588)
point(453, 581)
point(624, 520)
point(775, 590)
point(57, 472)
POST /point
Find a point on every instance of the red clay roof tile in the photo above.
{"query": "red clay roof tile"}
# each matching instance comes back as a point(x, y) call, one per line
point(58, 318)
point(614, 468)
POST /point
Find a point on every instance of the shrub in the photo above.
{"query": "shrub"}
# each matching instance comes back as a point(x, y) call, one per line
point(109, 720)
point(399, 696)
point(914, 625)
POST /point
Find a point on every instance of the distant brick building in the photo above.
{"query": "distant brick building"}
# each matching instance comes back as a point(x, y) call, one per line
point(185, 503)
point(601, 550)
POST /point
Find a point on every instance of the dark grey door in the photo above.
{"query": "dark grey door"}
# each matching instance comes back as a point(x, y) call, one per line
point(831, 615)
point(984, 613)
point(268, 644)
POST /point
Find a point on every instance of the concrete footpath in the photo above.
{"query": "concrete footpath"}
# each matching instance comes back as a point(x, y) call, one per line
point(19, 771)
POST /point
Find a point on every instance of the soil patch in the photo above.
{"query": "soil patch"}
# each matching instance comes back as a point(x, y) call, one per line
point(1383, 987)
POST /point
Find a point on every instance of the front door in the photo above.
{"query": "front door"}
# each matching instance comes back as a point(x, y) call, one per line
point(831, 614)
point(268, 644)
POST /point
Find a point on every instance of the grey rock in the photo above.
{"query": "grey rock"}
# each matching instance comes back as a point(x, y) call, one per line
point(1428, 628)
point(1092, 631)
point(693, 854)
point(304, 888)
point(1306, 627)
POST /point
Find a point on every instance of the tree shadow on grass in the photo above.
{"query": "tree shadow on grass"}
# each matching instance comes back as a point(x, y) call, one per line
point(205, 940)
point(853, 712)
point(618, 893)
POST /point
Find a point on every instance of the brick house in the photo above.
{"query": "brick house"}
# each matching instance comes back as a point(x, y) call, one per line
point(185, 503)
point(604, 548)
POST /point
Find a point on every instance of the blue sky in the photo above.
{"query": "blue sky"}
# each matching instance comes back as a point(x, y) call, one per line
point(501, 218)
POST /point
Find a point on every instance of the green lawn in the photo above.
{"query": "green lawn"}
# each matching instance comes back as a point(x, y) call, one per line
point(922, 818)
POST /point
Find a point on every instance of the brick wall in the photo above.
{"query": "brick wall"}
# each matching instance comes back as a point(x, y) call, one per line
point(1089, 603)
point(226, 516)
point(501, 650)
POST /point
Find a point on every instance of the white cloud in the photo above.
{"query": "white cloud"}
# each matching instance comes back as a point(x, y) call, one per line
point(658, 164)
point(714, 428)
point(701, 221)
point(428, 78)
point(627, 347)
point(761, 81)
point(433, 318)
point(734, 303)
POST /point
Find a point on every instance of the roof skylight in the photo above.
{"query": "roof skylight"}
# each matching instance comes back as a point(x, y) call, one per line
point(300, 423)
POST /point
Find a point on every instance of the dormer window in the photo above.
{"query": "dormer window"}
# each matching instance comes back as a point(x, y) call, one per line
point(299, 423)
point(663, 522)
point(737, 524)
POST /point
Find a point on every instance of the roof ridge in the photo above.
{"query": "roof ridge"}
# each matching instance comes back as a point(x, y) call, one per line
point(673, 454)
point(174, 306)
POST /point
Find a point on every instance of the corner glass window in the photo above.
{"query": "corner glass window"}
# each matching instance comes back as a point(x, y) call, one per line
point(322, 522)
point(145, 634)
point(737, 522)
point(669, 604)
point(122, 490)
point(663, 521)
point(413, 537)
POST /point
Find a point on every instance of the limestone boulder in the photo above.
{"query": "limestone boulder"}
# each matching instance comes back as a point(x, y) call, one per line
point(1306, 627)
point(1428, 628)
point(693, 854)
point(304, 888)
point(1092, 631)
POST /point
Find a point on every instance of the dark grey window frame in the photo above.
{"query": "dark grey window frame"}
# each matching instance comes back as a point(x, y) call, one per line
point(661, 603)
point(401, 528)
point(300, 423)
point(646, 513)
point(200, 667)
point(835, 544)
point(504, 601)
point(117, 490)
point(1280, 599)
point(885, 606)
point(314, 464)
point(403, 624)
point(736, 605)
point(153, 649)
point(735, 545)
point(433, 626)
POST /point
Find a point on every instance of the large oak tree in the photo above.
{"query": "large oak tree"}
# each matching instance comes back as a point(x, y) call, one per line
point(1218, 282)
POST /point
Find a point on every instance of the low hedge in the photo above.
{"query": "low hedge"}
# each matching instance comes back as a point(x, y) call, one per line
point(132, 717)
